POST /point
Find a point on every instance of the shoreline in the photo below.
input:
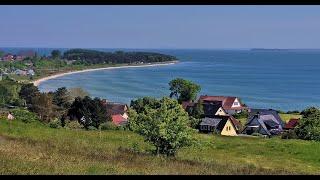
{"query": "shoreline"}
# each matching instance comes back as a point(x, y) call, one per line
point(41, 80)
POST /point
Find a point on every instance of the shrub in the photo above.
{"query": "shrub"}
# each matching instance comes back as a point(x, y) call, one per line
point(73, 125)
point(309, 126)
point(55, 124)
point(25, 115)
point(194, 122)
point(108, 126)
point(243, 114)
point(289, 135)
point(92, 128)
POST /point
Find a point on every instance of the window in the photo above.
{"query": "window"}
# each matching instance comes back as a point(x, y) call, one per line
point(236, 103)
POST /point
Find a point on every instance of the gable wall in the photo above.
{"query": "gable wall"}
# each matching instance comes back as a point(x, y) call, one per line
point(221, 112)
point(228, 129)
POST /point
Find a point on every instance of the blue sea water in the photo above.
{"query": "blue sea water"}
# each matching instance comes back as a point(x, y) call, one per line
point(285, 80)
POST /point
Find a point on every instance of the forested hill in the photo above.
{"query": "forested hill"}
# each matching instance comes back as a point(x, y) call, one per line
point(97, 57)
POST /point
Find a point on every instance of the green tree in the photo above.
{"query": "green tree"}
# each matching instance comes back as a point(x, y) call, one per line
point(77, 92)
point(9, 92)
point(140, 104)
point(43, 106)
point(196, 113)
point(28, 91)
point(166, 127)
point(56, 54)
point(61, 98)
point(89, 112)
point(183, 90)
point(309, 126)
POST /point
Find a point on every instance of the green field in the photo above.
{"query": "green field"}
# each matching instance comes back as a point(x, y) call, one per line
point(287, 117)
point(37, 149)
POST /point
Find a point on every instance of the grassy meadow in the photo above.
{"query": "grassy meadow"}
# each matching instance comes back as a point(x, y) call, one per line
point(35, 148)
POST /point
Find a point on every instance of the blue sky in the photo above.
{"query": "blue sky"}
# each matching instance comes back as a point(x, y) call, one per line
point(160, 26)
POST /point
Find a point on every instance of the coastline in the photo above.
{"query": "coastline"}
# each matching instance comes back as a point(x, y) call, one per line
point(41, 80)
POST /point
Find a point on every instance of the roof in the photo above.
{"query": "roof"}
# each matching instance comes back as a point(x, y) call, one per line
point(292, 123)
point(210, 121)
point(116, 108)
point(210, 109)
point(236, 122)
point(118, 119)
point(223, 123)
point(226, 101)
point(272, 112)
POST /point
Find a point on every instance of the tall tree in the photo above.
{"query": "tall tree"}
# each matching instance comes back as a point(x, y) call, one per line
point(77, 92)
point(89, 112)
point(28, 91)
point(166, 127)
point(43, 106)
point(183, 90)
point(56, 54)
point(61, 98)
point(140, 104)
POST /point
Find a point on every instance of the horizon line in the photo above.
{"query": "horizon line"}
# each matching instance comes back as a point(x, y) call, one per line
point(159, 48)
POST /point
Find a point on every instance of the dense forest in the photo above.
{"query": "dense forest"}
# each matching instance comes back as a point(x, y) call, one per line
point(118, 57)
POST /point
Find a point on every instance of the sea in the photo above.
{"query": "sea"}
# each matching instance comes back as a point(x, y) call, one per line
point(278, 79)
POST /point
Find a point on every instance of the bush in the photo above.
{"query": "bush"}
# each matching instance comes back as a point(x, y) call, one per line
point(25, 115)
point(309, 126)
point(194, 122)
point(108, 126)
point(243, 114)
point(289, 135)
point(92, 128)
point(55, 124)
point(73, 125)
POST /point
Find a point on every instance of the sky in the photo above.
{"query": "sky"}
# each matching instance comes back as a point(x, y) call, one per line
point(161, 26)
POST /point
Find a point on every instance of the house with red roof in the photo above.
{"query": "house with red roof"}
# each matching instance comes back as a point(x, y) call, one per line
point(117, 111)
point(119, 120)
point(291, 124)
point(230, 104)
point(8, 57)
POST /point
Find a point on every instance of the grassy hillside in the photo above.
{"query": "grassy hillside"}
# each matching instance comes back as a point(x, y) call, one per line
point(37, 149)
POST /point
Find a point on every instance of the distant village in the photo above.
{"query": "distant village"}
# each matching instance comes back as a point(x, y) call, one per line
point(218, 117)
point(8, 57)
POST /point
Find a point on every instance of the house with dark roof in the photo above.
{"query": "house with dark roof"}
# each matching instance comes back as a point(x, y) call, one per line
point(230, 104)
point(223, 125)
point(263, 121)
point(210, 109)
point(291, 124)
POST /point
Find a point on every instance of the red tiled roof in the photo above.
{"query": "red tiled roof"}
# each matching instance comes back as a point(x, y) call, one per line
point(118, 119)
point(291, 124)
point(226, 101)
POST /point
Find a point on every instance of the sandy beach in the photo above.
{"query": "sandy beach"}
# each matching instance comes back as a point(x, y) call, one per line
point(39, 81)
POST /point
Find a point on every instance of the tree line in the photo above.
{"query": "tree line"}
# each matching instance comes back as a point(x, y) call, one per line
point(87, 56)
